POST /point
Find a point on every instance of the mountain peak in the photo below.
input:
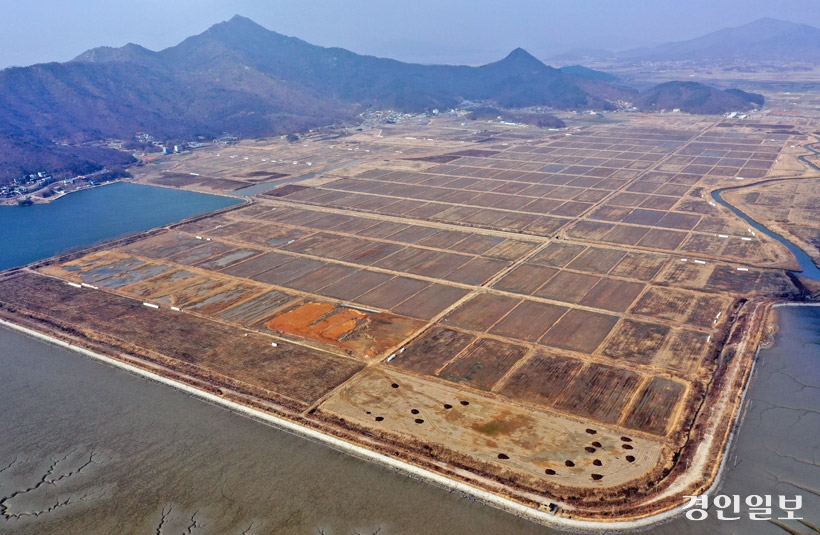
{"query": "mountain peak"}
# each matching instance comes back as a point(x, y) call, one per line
point(520, 61)
point(104, 54)
point(240, 18)
point(519, 55)
point(239, 21)
point(237, 26)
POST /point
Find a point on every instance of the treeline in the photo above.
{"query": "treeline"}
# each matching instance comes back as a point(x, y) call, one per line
point(540, 120)
point(24, 157)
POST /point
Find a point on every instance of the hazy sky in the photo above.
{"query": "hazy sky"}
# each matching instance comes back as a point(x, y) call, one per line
point(467, 31)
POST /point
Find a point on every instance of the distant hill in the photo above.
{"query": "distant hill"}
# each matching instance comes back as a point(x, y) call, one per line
point(240, 78)
point(693, 97)
point(767, 39)
point(586, 72)
point(540, 120)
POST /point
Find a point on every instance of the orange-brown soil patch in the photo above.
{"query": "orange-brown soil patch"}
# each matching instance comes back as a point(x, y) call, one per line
point(363, 334)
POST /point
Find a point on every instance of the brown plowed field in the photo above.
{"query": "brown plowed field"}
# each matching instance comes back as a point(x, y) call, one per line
point(599, 392)
point(259, 264)
point(476, 271)
point(612, 294)
point(341, 247)
point(636, 342)
point(355, 284)
point(674, 220)
point(687, 274)
point(444, 239)
point(683, 352)
point(318, 279)
point(568, 287)
point(655, 406)
point(704, 244)
point(439, 265)
point(314, 244)
point(510, 250)
point(477, 244)
point(483, 363)
point(481, 312)
point(430, 301)
point(406, 258)
point(641, 216)
point(597, 260)
point(542, 378)
point(281, 275)
point(610, 213)
point(665, 303)
point(557, 254)
point(272, 235)
point(392, 292)
point(370, 253)
point(256, 309)
point(666, 240)
point(624, 235)
point(589, 230)
point(706, 309)
point(432, 350)
point(525, 279)
point(413, 234)
point(580, 330)
point(232, 229)
point(163, 245)
point(545, 226)
point(529, 320)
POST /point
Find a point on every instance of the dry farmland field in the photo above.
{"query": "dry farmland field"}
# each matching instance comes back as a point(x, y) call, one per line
point(541, 314)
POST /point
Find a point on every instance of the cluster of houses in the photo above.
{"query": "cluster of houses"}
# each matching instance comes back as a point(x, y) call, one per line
point(142, 137)
point(26, 184)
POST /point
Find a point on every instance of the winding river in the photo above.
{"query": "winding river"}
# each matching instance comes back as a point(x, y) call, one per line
point(808, 268)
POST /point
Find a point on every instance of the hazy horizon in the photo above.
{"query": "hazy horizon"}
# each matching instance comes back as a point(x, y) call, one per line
point(431, 32)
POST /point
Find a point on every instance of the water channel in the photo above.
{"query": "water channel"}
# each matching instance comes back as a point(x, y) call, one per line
point(808, 268)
